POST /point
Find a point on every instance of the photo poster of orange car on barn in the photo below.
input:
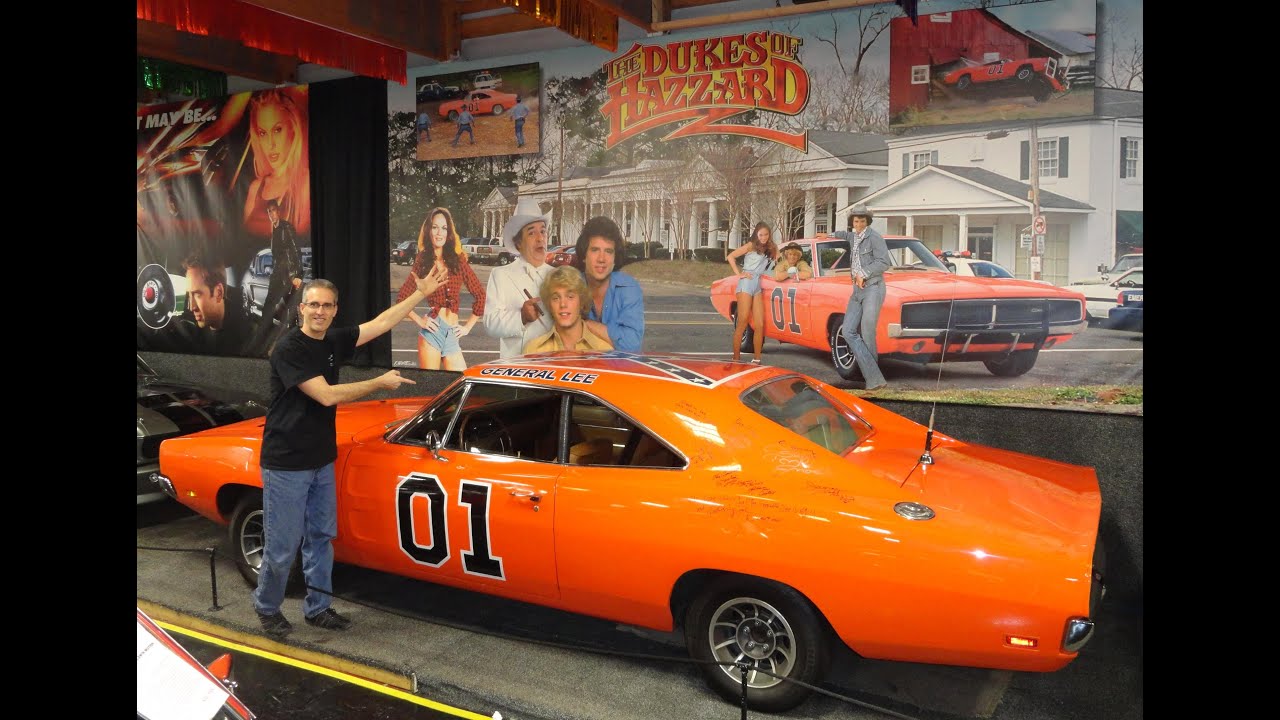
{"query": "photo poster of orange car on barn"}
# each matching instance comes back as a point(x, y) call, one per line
point(210, 256)
point(1017, 61)
point(503, 103)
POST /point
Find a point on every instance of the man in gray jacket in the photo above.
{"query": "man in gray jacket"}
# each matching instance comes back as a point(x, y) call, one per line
point(869, 258)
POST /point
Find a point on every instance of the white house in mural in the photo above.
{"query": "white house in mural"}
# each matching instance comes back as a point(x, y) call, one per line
point(969, 188)
point(955, 188)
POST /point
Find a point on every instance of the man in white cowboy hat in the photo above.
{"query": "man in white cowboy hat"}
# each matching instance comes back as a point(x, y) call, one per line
point(513, 312)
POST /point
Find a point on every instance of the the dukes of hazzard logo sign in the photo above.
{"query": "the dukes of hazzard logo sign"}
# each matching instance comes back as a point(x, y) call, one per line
point(706, 81)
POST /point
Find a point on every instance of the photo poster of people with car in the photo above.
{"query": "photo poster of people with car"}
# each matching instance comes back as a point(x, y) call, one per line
point(688, 139)
point(224, 221)
point(494, 110)
point(983, 64)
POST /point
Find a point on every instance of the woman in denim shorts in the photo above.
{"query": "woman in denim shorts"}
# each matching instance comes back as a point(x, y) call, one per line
point(440, 247)
point(758, 256)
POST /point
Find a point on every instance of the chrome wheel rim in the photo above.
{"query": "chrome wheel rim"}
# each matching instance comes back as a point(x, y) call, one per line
point(252, 540)
point(751, 631)
point(840, 351)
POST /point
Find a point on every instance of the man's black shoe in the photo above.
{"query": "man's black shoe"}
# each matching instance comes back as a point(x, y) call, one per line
point(275, 625)
point(329, 619)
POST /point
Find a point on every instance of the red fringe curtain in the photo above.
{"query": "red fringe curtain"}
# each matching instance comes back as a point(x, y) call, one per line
point(269, 31)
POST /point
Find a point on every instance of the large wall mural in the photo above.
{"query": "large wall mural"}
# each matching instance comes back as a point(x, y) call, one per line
point(1000, 199)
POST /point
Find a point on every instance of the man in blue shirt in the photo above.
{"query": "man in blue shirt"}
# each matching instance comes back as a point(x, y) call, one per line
point(464, 126)
point(617, 305)
point(518, 114)
point(424, 126)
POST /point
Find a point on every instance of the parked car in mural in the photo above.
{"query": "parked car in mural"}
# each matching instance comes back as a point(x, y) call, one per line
point(433, 90)
point(1038, 76)
point(1127, 314)
point(762, 512)
point(257, 278)
point(487, 251)
point(480, 102)
point(1100, 297)
point(963, 263)
point(404, 253)
point(169, 408)
point(1000, 322)
point(486, 81)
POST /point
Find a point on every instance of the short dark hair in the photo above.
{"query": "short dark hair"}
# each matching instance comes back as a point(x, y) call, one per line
point(273, 203)
point(600, 226)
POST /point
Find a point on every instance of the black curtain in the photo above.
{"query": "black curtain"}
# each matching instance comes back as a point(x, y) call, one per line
point(350, 233)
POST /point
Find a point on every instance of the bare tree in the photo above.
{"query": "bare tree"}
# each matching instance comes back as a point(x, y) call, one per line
point(778, 191)
point(1120, 57)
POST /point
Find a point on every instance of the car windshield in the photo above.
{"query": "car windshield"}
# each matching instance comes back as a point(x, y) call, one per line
point(144, 370)
point(806, 411)
point(906, 254)
point(1126, 263)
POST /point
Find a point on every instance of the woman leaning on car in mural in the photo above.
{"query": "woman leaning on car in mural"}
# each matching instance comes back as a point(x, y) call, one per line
point(439, 247)
point(758, 255)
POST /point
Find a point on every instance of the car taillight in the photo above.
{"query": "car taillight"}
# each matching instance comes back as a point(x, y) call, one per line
point(1120, 299)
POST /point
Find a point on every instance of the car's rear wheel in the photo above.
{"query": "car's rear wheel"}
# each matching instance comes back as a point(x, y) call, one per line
point(842, 358)
point(764, 625)
point(748, 333)
point(505, 258)
point(964, 82)
point(497, 109)
point(247, 534)
point(1013, 364)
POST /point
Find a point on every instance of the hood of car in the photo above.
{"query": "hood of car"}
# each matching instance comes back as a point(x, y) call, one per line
point(938, 284)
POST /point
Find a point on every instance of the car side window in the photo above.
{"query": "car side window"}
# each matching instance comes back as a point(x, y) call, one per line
point(600, 435)
point(435, 417)
point(834, 255)
point(508, 420)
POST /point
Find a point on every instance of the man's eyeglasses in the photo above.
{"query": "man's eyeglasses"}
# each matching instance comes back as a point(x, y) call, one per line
point(319, 305)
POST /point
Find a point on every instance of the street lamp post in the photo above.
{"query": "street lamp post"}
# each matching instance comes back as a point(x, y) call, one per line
point(1035, 204)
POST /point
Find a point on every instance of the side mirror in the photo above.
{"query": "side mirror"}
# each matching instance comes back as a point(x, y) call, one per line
point(433, 444)
point(1102, 268)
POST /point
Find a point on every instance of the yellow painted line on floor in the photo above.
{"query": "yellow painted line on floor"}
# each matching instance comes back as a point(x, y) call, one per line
point(388, 688)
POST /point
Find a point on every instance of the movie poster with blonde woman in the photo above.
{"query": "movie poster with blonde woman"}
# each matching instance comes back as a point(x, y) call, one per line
point(224, 221)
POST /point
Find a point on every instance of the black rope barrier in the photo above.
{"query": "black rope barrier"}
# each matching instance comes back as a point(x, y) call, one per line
point(742, 666)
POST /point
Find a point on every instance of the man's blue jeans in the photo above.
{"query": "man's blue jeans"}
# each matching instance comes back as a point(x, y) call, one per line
point(861, 316)
point(464, 129)
point(298, 507)
point(520, 132)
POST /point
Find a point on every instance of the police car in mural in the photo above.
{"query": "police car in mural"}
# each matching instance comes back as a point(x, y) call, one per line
point(764, 513)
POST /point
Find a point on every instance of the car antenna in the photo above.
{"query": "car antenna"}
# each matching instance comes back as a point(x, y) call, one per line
point(926, 458)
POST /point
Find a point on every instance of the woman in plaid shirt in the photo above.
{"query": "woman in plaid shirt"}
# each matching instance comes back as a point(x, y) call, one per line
point(440, 330)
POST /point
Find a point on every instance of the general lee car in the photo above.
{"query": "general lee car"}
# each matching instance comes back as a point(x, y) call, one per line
point(764, 513)
point(1041, 76)
point(479, 102)
point(1001, 322)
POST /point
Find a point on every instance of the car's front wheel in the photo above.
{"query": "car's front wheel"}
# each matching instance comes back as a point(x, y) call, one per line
point(1013, 364)
point(964, 82)
point(743, 624)
point(1024, 73)
point(247, 534)
point(842, 358)
point(453, 115)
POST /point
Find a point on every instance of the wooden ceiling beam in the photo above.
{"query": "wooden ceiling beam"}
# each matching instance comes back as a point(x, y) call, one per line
point(165, 43)
point(425, 27)
point(499, 25)
point(636, 12)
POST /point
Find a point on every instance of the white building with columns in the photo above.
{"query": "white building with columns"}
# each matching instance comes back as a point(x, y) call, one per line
point(712, 203)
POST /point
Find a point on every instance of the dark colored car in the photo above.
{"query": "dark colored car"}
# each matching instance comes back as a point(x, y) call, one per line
point(404, 253)
point(562, 255)
point(433, 90)
point(257, 278)
point(169, 408)
point(1127, 314)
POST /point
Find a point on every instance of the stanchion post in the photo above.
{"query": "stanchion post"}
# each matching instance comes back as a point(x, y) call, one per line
point(213, 580)
point(742, 668)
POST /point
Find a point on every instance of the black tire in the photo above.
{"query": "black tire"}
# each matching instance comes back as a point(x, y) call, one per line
point(1042, 91)
point(497, 109)
point(841, 356)
point(964, 82)
point(1024, 73)
point(246, 533)
point(769, 625)
point(1013, 364)
point(748, 333)
point(453, 115)
point(505, 258)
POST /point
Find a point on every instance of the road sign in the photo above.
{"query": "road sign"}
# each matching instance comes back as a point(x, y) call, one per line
point(1039, 244)
point(1035, 263)
point(1025, 239)
point(1038, 225)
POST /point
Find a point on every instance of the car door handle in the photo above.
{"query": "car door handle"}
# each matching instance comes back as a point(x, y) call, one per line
point(533, 496)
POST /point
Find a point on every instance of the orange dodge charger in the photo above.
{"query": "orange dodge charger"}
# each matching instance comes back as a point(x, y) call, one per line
point(761, 511)
point(929, 313)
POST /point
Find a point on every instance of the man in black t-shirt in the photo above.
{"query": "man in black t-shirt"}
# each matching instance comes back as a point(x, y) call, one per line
point(299, 447)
